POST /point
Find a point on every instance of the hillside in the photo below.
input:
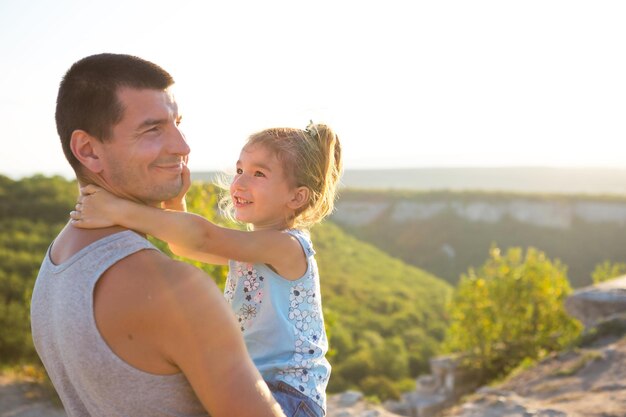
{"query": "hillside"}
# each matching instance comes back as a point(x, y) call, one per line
point(385, 318)
point(445, 233)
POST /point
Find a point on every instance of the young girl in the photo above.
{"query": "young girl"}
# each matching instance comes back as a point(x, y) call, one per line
point(285, 182)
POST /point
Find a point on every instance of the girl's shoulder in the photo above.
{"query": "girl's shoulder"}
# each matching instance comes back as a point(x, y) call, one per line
point(304, 237)
point(298, 232)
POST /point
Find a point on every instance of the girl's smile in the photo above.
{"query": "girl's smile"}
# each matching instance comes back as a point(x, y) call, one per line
point(260, 190)
point(240, 202)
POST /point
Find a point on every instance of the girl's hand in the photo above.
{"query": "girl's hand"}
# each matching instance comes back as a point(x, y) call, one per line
point(178, 203)
point(96, 208)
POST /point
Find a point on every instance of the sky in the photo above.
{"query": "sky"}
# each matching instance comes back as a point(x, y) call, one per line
point(403, 83)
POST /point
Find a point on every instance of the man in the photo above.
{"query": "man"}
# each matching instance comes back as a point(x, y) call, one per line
point(122, 329)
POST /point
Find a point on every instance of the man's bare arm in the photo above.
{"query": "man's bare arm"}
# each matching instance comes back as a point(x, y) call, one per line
point(202, 338)
point(164, 316)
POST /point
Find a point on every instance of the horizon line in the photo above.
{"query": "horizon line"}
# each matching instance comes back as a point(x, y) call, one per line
point(70, 174)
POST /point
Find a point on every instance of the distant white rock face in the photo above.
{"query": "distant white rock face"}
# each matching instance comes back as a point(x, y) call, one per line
point(549, 214)
point(480, 211)
point(407, 210)
point(556, 215)
point(357, 213)
point(601, 212)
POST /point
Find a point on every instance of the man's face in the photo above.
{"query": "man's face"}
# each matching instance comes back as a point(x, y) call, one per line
point(143, 159)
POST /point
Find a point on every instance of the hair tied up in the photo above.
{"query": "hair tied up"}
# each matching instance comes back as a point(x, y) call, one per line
point(311, 130)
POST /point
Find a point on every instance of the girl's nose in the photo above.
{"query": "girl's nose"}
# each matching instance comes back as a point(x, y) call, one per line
point(239, 182)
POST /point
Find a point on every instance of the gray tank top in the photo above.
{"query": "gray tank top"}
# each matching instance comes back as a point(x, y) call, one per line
point(90, 379)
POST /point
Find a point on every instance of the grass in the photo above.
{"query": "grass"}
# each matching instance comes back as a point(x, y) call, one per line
point(582, 361)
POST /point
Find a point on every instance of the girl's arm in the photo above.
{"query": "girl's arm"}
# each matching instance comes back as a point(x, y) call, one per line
point(191, 235)
point(98, 208)
point(179, 203)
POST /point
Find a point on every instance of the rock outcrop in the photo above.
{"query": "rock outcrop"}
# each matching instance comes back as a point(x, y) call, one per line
point(582, 382)
point(353, 404)
point(599, 303)
point(435, 392)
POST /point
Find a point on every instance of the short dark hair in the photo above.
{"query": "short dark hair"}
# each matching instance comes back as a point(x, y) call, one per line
point(87, 97)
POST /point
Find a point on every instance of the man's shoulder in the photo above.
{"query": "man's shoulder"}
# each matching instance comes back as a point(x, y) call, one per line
point(151, 282)
point(155, 266)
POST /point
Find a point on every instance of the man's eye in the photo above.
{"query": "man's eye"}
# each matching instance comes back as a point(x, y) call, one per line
point(259, 174)
point(179, 120)
point(239, 171)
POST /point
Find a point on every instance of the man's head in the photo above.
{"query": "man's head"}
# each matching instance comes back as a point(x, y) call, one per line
point(118, 124)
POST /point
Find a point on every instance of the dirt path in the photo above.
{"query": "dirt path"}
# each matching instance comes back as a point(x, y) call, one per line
point(24, 398)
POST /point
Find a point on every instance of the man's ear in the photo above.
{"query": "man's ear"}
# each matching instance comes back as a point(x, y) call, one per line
point(299, 198)
point(85, 148)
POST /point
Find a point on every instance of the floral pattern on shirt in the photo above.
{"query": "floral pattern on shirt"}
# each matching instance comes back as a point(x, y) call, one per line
point(304, 313)
point(252, 284)
point(295, 302)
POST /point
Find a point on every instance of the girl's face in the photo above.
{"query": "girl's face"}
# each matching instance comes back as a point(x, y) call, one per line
point(260, 190)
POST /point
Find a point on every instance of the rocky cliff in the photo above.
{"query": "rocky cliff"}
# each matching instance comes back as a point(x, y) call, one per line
point(445, 233)
point(584, 381)
point(558, 214)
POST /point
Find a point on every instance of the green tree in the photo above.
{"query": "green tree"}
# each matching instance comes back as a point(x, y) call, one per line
point(32, 211)
point(387, 319)
point(202, 199)
point(608, 270)
point(380, 387)
point(508, 310)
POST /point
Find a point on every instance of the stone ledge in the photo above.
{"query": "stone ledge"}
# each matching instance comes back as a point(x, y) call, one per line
point(596, 303)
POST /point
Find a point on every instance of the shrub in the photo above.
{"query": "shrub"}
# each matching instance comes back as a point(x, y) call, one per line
point(508, 310)
point(607, 270)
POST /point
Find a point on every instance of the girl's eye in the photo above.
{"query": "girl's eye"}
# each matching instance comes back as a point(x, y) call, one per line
point(239, 171)
point(259, 174)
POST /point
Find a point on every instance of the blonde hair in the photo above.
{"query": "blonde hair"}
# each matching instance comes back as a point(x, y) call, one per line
point(311, 158)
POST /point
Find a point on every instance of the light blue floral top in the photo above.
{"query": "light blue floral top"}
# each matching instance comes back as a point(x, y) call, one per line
point(282, 322)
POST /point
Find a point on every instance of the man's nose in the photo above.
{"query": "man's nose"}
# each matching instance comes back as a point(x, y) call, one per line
point(178, 143)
